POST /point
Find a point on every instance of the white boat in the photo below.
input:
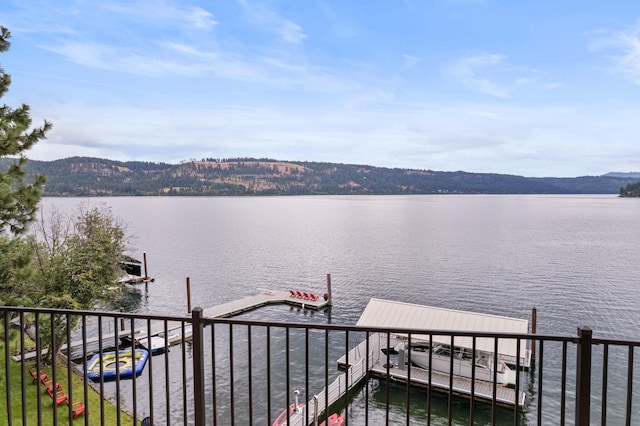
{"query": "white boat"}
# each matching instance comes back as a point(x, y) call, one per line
point(155, 345)
point(463, 362)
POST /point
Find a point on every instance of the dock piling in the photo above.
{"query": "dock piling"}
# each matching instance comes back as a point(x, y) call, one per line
point(534, 318)
point(329, 301)
point(146, 274)
point(188, 295)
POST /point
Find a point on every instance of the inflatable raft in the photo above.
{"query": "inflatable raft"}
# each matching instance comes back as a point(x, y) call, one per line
point(126, 364)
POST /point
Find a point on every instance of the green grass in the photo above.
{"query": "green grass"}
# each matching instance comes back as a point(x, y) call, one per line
point(16, 383)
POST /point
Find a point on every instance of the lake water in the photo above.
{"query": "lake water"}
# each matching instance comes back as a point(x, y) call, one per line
point(575, 258)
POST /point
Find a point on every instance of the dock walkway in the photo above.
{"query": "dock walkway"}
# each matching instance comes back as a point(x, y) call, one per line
point(173, 329)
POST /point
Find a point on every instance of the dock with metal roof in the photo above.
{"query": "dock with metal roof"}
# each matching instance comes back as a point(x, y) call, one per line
point(382, 367)
point(381, 313)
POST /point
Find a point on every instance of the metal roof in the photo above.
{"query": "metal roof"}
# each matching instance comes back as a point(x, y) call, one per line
point(391, 314)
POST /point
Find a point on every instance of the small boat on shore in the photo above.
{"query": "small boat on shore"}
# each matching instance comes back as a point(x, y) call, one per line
point(124, 365)
point(155, 345)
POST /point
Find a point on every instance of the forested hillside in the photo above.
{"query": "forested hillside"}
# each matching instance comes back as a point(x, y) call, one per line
point(631, 190)
point(83, 176)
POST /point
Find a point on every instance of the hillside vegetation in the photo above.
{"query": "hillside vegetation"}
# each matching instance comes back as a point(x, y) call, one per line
point(631, 190)
point(83, 176)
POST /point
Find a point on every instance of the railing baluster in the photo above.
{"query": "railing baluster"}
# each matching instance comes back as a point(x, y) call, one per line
point(38, 367)
point(563, 384)
point(250, 368)
point(583, 377)
point(167, 388)
point(408, 383)
point(366, 394)
point(7, 371)
point(430, 387)
point(69, 367)
point(450, 394)
point(388, 383)
point(117, 367)
point(85, 381)
point(630, 386)
point(306, 374)
point(101, 367)
point(134, 379)
point(346, 379)
point(287, 372)
point(185, 400)
point(605, 380)
point(494, 385)
point(540, 369)
point(516, 416)
point(198, 366)
point(23, 371)
point(473, 381)
point(150, 361)
point(54, 377)
point(213, 374)
point(326, 370)
point(231, 377)
point(268, 374)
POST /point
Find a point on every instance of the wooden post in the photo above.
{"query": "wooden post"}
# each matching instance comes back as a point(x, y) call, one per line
point(146, 275)
point(121, 321)
point(188, 295)
point(144, 258)
point(329, 301)
point(534, 326)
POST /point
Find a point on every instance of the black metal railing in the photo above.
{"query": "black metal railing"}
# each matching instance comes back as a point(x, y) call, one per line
point(237, 371)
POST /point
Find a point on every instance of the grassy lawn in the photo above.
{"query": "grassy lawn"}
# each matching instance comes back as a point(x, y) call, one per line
point(47, 408)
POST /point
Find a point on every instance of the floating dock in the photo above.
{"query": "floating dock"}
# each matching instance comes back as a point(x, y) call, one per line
point(226, 310)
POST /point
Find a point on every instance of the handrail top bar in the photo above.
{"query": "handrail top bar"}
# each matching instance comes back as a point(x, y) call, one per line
point(277, 324)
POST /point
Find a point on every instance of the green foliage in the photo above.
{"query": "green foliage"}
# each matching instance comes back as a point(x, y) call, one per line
point(78, 257)
point(16, 271)
point(18, 198)
point(74, 266)
point(631, 190)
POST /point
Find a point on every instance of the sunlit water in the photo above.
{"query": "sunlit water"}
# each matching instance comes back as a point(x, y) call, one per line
point(575, 258)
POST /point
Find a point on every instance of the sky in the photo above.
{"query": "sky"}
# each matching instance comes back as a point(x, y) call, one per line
point(529, 88)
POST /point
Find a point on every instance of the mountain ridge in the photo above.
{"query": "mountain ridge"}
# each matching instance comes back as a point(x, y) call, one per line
point(90, 176)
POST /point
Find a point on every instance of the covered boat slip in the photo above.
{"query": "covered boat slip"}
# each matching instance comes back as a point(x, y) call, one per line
point(390, 314)
point(378, 365)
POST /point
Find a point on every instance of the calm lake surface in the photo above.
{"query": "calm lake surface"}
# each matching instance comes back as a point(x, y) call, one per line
point(575, 258)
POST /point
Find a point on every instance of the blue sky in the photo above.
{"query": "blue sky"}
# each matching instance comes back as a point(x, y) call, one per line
point(540, 88)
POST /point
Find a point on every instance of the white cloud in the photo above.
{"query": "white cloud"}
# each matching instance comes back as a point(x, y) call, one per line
point(410, 61)
point(623, 48)
point(261, 14)
point(489, 74)
point(163, 12)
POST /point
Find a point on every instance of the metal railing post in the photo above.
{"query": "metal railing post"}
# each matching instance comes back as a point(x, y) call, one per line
point(198, 366)
point(583, 376)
